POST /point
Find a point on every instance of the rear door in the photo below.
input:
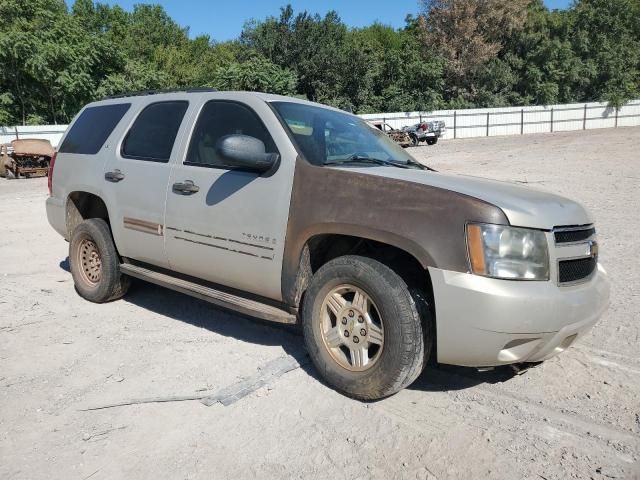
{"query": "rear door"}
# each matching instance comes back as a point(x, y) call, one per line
point(136, 176)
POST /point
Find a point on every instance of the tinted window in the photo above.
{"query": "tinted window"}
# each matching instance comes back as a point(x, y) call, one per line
point(153, 133)
point(92, 128)
point(218, 119)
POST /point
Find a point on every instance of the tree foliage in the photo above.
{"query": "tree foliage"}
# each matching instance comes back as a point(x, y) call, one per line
point(469, 34)
point(453, 54)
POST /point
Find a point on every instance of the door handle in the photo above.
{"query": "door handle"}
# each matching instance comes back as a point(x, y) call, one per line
point(114, 176)
point(185, 188)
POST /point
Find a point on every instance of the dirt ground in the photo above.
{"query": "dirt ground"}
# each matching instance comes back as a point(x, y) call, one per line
point(575, 416)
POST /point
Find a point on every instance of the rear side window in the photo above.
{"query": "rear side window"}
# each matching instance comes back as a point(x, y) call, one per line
point(92, 128)
point(153, 133)
point(218, 119)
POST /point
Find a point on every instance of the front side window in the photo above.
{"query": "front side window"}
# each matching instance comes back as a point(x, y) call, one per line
point(154, 132)
point(327, 136)
point(92, 128)
point(218, 119)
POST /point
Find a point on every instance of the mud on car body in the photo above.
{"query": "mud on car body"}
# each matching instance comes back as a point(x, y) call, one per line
point(295, 212)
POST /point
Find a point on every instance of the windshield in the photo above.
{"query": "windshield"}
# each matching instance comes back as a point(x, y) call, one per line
point(328, 137)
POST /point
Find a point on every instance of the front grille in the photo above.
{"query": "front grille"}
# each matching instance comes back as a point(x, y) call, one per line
point(573, 235)
point(575, 270)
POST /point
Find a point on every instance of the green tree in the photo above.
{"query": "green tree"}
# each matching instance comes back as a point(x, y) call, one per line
point(456, 54)
point(308, 44)
point(48, 62)
point(606, 37)
point(468, 34)
point(255, 74)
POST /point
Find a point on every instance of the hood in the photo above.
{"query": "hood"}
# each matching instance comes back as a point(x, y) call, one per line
point(523, 206)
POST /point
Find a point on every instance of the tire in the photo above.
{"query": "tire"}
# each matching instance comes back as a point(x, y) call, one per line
point(414, 140)
point(404, 350)
point(95, 264)
point(432, 141)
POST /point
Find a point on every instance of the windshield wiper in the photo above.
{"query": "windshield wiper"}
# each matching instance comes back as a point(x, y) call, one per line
point(378, 161)
point(411, 161)
point(355, 158)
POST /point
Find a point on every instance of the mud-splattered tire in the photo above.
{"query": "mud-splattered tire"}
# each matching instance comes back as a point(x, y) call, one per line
point(397, 344)
point(94, 262)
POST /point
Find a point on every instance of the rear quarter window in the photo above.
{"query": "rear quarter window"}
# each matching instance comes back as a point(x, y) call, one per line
point(92, 128)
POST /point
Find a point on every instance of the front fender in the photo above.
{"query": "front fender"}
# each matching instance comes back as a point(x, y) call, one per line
point(425, 221)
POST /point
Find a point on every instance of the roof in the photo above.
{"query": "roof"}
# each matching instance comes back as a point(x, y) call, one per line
point(144, 93)
point(175, 94)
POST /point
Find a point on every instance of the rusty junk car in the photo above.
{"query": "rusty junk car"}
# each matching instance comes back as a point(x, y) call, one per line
point(401, 138)
point(26, 157)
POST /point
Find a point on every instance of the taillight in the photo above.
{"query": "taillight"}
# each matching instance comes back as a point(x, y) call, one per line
point(50, 173)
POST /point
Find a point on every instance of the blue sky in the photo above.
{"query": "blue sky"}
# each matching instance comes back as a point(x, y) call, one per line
point(223, 19)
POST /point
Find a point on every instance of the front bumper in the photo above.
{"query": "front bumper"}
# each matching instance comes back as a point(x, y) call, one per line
point(484, 321)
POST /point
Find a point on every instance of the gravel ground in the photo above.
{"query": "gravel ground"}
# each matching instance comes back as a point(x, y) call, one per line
point(575, 416)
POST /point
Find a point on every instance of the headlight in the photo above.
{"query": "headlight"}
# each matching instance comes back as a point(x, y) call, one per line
point(506, 252)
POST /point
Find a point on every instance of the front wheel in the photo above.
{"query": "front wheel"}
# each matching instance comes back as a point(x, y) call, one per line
point(363, 328)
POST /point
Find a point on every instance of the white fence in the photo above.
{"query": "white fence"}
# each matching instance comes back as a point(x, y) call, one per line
point(489, 122)
point(53, 133)
point(479, 122)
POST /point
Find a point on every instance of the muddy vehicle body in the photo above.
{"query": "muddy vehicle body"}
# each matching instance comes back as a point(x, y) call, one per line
point(427, 132)
point(294, 212)
point(398, 136)
point(27, 157)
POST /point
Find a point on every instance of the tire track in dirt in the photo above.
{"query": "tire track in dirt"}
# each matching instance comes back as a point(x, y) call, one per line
point(508, 411)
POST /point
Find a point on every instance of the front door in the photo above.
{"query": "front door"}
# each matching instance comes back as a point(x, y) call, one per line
point(136, 179)
point(228, 226)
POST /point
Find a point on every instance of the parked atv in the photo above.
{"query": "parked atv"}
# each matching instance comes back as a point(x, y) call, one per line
point(428, 132)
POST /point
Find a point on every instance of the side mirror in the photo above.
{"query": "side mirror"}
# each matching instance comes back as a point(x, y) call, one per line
point(245, 153)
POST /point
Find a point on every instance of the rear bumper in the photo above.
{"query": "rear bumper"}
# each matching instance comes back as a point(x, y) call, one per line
point(56, 215)
point(487, 322)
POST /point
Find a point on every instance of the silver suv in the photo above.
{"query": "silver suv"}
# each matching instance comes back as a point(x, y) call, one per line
point(295, 212)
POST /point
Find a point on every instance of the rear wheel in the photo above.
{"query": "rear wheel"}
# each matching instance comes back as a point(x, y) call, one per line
point(363, 328)
point(432, 141)
point(94, 262)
